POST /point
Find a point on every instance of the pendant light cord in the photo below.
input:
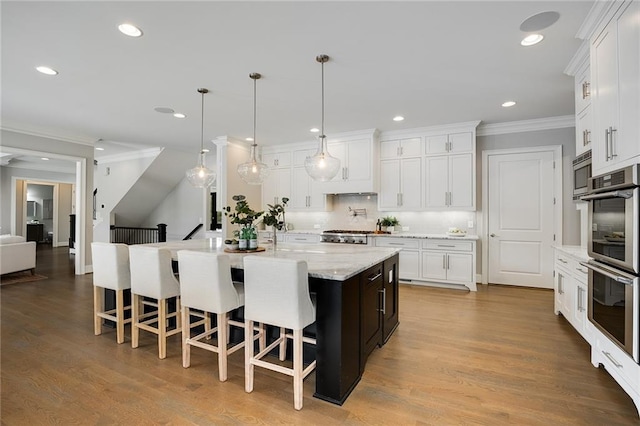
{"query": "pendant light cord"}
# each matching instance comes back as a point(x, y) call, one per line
point(202, 124)
point(254, 111)
point(322, 121)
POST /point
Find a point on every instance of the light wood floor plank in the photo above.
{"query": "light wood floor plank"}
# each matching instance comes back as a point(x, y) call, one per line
point(498, 356)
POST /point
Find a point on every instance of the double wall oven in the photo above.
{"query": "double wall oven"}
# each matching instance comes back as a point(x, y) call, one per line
point(614, 271)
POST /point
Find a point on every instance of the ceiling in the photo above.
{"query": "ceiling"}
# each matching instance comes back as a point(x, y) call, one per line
point(431, 62)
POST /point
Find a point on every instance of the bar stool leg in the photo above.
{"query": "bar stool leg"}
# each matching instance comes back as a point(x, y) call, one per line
point(283, 343)
point(98, 303)
point(297, 370)
point(186, 333)
point(223, 331)
point(135, 313)
point(120, 316)
point(248, 355)
point(162, 328)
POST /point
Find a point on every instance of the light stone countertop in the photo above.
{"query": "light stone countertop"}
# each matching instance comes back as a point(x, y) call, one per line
point(577, 252)
point(329, 261)
point(426, 236)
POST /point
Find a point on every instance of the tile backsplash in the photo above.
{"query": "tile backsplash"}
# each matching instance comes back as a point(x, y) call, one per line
point(345, 207)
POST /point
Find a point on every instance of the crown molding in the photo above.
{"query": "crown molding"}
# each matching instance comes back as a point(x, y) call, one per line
point(43, 134)
point(579, 60)
point(527, 125)
point(599, 11)
point(444, 128)
point(134, 155)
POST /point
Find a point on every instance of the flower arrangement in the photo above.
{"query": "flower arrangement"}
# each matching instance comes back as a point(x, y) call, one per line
point(389, 221)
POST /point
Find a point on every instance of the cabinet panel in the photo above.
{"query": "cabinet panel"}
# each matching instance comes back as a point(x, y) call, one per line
point(435, 181)
point(389, 184)
point(583, 89)
point(277, 159)
point(409, 264)
point(434, 265)
point(371, 285)
point(410, 184)
point(437, 144)
point(276, 186)
point(583, 131)
point(459, 267)
point(461, 142)
point(461, 181)
point(411, 147)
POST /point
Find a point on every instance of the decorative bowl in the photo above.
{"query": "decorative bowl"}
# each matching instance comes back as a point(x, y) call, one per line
point(235, 246)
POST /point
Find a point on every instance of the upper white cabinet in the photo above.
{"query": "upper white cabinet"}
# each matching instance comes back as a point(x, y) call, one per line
point(402, 148)
point(433, 169)
point(615, 90)
point(358, 154)
point(400, 184)
point(450, 143)
point(449, 182)
point(276, 186)
point(306, 194)
point(277, 159)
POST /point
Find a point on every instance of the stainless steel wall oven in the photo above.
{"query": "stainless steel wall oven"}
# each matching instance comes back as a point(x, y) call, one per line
point(614, 271)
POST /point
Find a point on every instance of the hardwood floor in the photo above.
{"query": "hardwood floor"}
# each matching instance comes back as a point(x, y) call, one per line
point(498, 356)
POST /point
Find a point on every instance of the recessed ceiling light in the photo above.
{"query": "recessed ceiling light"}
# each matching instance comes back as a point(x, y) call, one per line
point(47, 70)
point(532, 39)
point(44, 158)
point(164, 110)
point(248, 139)
point(179, 115)
point(508, 104)
point(99, 149)
point(130, 30)
point(314, 130)
point(398, 118)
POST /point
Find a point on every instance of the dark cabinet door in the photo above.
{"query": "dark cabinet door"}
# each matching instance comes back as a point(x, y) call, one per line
point(35, 232)
point(371, 291)
point(390, 312)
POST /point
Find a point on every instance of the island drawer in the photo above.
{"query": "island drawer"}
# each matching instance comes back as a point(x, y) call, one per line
point(407, 243)
point(447, 245)
point(302, 238)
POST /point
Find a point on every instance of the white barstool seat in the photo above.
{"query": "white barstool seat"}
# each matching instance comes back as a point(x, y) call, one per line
point(206, 285)
point(152, 277)
point(277, 293)
point(110, 271)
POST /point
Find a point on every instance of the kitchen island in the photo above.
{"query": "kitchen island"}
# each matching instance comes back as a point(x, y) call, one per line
point(356, 292)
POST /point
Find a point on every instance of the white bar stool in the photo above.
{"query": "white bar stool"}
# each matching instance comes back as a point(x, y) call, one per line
point(206, 285)
point(110, 271)
point(277, 293)
point(152, 277)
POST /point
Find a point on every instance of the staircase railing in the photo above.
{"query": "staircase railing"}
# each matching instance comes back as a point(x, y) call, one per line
point(132, 235)
point(193, 232)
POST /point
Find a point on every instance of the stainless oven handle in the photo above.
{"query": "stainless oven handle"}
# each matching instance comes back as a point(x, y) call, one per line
point(618, 278)
point(614, 194)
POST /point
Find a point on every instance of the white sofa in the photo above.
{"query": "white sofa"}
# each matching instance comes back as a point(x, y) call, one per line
point(16, 254)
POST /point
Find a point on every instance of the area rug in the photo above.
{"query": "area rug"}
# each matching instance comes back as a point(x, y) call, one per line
point(20, 277)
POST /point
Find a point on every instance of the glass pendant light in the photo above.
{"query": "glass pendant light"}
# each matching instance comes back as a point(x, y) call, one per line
point(253, 171)
point(322, 166)
point(200, 176)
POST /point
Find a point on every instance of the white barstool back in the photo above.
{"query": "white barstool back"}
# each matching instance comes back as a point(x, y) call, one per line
point(277, 293)
point(110, 271)
point(206, 285)
point(206, 282)
point(152, 277)
point(151, 272)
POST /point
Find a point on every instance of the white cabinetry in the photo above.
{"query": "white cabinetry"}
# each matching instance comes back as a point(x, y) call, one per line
point(584, 130)
point(300, 238)
point(402, 148)
point(615, 90)
point(570, 298)
point(449, 182)
point(357, 157)
point(448, 261)
point(409, 256)
point(449, 143)
point(434, 260)
point(277, 158)
point(306, 193)
point(400, 187)
point(276, 186)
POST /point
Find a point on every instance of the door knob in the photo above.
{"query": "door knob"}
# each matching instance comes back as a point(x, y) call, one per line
point(493, 235)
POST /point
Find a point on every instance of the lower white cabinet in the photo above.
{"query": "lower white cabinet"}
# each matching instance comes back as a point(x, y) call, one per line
point(301, 238)
point(434, 260)
point(570, 285)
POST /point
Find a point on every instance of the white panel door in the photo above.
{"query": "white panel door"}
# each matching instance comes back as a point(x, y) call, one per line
point(409, 264)
point(461, 181)
point(358, 160)
point(459, 267)
point(434, 265)
point(520, 218)
point(299, 189)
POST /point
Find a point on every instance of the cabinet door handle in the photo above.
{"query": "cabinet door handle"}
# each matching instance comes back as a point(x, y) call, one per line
point(585, 89)
point(401, 201)
point(384, 301)
point(445, 245)
point(560, 285)
point(579, 300)
point(611, 132)
point(444, 261)
point(562, 260)
point(375, 277)
point(606, 144)
point(396, 244)
point(447, 262)
point(397, 199)
point(612, 359)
